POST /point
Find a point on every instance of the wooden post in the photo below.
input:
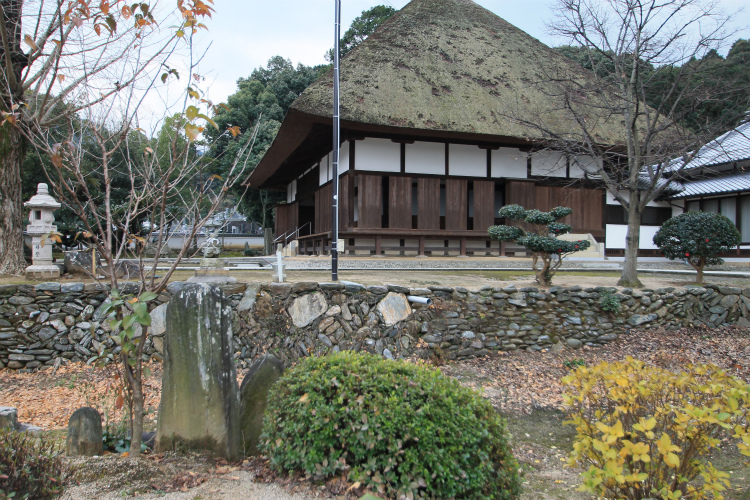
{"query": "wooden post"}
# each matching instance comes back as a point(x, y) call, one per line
point(463, 247)
point(421, 246)
point(377, 245)
point(502, 249)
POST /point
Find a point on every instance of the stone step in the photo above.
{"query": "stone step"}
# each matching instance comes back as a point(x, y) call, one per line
point(8, 418)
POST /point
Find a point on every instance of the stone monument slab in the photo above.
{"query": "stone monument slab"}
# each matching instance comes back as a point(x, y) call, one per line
point(200, 400)
point(254, 399)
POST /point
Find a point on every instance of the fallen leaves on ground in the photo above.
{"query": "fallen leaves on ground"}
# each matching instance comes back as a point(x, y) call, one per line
point(517, 382)
point(48, 399)
point(521, 381)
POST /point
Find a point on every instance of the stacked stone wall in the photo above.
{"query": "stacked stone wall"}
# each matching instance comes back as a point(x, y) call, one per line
point(39, 324)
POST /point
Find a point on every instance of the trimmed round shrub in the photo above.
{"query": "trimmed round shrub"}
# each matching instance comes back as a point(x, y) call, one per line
point(697, 237)
point(395, 427)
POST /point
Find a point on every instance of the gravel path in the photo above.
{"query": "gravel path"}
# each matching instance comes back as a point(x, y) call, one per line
point(239, 486)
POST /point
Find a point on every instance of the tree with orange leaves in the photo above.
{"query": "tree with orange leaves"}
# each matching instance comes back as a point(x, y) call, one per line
point(62, 57)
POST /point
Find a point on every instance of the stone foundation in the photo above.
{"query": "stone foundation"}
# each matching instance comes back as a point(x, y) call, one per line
point(41, 323)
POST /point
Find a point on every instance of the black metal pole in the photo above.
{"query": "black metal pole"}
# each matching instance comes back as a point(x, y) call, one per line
point(335, 152)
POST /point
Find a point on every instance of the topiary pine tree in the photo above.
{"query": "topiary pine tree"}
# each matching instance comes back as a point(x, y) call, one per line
point(543, 242)
point(697, 237)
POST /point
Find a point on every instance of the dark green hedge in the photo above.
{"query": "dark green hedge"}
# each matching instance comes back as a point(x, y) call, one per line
point(393, 426)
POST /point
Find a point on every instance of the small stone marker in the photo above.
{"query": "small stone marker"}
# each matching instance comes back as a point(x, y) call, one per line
point(84, 433)
point(200, 399)
point(254, 399)
point(8, 418)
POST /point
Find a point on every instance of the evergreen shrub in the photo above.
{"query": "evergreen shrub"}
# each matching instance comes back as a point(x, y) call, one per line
point(609, 302)
point(30, 467)
point(542, 240)
point(402, 430)
point(697, 238)
point(646, 432)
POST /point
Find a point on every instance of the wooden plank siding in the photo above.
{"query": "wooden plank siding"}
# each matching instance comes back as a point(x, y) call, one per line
point(484, 205)
point(520, 193)
point(399, 202)
point(428, 197)
point(286, 218)
point(370, 207)
point(456, 204)
point(346, 207)
point(323, 209)
point(587, 205)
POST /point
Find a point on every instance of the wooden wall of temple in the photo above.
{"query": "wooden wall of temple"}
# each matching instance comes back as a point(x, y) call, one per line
point(428, 199)
point(587, 204)
point(456, 208)
point(386, 202)
point(399, 202)
point(484, 204)
point(323, 209)
point(286, 218)
point(370, 201)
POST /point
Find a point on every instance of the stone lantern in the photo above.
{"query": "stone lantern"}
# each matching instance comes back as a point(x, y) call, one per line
point(41, 217)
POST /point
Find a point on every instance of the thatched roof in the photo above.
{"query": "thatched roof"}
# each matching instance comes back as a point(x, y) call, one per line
point(446, 66)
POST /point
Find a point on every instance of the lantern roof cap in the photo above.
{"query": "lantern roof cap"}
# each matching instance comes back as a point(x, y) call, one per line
point(42, 199)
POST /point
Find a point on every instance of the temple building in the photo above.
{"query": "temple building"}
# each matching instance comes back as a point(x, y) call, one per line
point(429, 149)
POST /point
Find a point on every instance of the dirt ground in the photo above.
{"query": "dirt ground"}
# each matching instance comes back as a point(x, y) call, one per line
point(471, 279)
point(474, 280)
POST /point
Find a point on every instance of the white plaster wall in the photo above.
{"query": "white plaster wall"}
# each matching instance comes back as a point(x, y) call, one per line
point(583, 164)
point(616, 234)
point(291, 192)
point(324, 172)
point(548, 164)
point(425, 158)
point(343, 158)
point(509, 162)
point(678, 207)
point(467, 160)
point(379, 155)
point(612, 201)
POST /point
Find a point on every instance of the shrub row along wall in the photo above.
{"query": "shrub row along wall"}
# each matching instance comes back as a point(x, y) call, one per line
point(41, 323)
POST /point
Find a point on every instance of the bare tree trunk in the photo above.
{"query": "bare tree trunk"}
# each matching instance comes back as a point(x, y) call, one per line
point(138, 398)
point(12, 152)
point(698, 268)
point(541, 275)
point(137, 433)
point(629, 276)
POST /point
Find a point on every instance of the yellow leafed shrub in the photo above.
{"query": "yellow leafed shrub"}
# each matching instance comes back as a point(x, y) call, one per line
point(644, 432)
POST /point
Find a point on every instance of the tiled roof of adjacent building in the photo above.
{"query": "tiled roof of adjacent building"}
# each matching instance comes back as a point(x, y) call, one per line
point(717, 185)
point(730, 147)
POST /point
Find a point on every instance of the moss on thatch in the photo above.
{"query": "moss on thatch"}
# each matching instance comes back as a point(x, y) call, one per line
point(451, 65)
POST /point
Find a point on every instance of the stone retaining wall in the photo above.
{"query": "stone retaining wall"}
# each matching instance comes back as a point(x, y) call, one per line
point(40, 323)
